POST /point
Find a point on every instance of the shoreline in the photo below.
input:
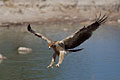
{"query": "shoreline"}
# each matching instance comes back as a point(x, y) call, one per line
point(57, 21)
point(54, 14)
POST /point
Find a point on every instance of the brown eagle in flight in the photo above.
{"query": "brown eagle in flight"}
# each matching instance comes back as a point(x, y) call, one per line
point(65, 46)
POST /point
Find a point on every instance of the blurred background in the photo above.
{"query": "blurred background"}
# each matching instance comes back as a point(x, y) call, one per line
point(57, 19)
point(25, 11)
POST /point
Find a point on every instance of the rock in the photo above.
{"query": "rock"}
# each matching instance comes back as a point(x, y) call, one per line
point(118, 20)
point(75, 17)
point(65, 29)
point(2, 57)
point(24, 50)
point(66, 18)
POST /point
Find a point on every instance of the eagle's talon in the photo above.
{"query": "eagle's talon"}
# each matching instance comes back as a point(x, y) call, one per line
point(50, 66)
point(57, 65)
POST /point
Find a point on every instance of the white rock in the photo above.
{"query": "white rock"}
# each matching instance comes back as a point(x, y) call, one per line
point(118, 20)
point(24, 50)
point(2, 57)
point(75, 17)
point(66, 18)
point(65, 29)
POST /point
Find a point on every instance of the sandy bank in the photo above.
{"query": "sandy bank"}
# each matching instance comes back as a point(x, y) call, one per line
point(25, 13)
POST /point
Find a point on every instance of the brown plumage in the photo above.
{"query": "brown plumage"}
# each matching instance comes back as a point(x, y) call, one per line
point(64, 46)
point(83, 34)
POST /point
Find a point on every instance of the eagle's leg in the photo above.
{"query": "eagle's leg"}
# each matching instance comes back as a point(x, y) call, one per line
point(52, 61)
point(61, 58)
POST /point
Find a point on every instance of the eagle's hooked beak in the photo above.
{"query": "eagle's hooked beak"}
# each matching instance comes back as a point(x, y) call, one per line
point(49, 47)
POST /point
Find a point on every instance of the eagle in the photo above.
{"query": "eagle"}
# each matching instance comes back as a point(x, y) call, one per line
point(65, 46)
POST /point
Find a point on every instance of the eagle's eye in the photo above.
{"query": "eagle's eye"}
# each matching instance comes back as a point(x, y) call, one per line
point(53, 45)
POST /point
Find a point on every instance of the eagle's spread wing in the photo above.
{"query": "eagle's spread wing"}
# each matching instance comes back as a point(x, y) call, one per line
point(83, 34)
point(38, 34)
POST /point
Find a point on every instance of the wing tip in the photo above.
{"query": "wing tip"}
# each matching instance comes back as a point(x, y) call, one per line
point(29, 27)
point(102, 19)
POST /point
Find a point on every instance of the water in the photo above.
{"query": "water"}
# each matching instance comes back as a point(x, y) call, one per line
point(100, 60)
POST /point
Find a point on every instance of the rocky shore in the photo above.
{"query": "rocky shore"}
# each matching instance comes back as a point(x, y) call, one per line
point(46, 11)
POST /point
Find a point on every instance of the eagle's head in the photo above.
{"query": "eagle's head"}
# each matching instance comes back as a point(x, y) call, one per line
point(51, 45)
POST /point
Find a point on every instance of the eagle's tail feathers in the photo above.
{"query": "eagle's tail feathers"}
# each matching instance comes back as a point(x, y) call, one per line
point(74, 50)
